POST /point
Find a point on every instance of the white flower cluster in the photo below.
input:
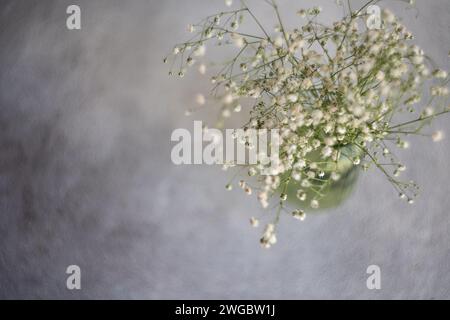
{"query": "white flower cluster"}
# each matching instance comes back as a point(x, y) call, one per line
point(327, 89)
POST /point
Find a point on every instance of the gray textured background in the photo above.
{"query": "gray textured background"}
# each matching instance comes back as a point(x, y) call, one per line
point(86, 177)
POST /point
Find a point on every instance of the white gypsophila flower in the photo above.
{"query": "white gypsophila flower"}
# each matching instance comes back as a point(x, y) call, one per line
point(202, 69)
point(269, 237)
point(302, 13)
point(254, 222)
point(228, 99)
point(438, 136)
point(440, 74)
point(327, 152)
point(314, 204)
point(200, 51)
point(439, 91)
point(299, 215)
point(200, 99)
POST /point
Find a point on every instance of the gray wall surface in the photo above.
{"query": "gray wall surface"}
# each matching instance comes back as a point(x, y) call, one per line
point(86, 176)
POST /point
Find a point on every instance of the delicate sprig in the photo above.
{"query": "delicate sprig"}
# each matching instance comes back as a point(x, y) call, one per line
point(342, 95)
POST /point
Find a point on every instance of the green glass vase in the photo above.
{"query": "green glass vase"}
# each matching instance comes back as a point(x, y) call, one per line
point(337, 191)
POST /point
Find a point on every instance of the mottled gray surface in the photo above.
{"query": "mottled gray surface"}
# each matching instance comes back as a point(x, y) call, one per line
point(86, 177)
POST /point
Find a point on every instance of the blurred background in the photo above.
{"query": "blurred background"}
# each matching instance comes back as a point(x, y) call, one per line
point(86, 176)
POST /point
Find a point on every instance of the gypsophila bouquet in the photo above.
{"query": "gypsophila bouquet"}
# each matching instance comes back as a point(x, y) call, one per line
point(344, 94)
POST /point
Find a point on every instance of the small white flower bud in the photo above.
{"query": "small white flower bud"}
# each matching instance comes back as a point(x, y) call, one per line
point(202, 69)
point(200, 51)
point(299, 214)
point(314, 204)
point(200, 99)
point(438, 136)
point(301, 195)
point(254, 222)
